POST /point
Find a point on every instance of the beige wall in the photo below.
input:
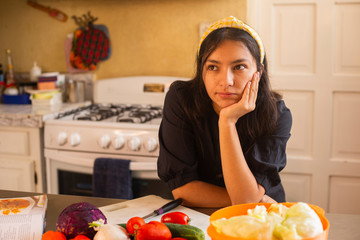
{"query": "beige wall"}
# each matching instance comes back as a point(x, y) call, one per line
point(148, 37)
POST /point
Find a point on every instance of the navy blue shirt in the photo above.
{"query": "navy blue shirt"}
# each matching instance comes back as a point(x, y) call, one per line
point(187, 155)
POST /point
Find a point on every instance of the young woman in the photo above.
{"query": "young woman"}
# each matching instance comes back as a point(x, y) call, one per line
point(223, 134)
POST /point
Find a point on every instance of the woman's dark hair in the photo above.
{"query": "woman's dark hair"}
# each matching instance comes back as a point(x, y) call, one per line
point(259, 122)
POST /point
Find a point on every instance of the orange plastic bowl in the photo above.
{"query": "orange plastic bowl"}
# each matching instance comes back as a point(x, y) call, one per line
point(241, 209)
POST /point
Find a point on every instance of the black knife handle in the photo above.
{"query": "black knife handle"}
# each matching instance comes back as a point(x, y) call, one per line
point(167, 207)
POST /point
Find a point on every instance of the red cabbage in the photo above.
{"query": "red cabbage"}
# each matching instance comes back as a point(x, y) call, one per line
point(75, 219)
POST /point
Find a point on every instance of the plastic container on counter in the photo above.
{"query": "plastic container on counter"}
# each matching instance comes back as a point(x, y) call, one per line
point(16, 99)
point(45, 97)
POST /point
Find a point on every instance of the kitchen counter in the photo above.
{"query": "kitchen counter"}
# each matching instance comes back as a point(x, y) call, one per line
point(27, 115)
point(342, 226)
point(56, 203)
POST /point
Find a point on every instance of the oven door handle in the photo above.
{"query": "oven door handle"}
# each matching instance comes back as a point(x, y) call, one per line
point(143, 166)
point(88, 160)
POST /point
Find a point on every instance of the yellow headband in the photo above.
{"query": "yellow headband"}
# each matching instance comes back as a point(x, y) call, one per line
point(233, 22)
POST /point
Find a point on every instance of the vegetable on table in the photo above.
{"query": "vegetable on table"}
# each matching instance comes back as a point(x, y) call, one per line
point(153, 230)
point(80, 237)
point(134, 224)
point(298, 221)
point(111, 232)
point(74, 220)
point(175, 217)
point(51, 235)
point(185, 231)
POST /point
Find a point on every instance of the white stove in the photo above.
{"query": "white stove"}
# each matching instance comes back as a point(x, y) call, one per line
point(122, 123)
point(106, 128)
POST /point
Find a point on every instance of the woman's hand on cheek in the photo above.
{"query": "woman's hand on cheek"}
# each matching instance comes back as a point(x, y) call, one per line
point(247, 102)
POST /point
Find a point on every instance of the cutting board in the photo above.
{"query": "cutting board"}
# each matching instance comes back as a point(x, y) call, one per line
point(123, 211)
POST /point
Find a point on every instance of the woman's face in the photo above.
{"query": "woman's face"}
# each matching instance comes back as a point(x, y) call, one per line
point(226, 72)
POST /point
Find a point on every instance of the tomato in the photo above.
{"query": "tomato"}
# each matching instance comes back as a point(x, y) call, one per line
point(80, 237)
point(51, 235)
point(153, 230)
point(134, 224)
point(175, 217)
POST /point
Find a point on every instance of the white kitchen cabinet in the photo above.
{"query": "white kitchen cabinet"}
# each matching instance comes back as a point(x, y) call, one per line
point(22, 163)
point(17, 175)
point(21, 158)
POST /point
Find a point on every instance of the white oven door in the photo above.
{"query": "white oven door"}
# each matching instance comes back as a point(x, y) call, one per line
point(82, 163)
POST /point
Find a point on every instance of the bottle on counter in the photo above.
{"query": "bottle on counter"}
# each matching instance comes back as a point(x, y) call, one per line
point(35, 72)
point(10, 87)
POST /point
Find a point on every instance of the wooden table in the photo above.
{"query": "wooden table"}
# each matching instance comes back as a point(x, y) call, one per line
point(342, 226)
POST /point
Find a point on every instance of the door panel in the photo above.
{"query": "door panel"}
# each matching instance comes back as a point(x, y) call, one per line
point(347, 38)
point(15, 175)
point(346, 127)
point(294, 24)
point(301, 104)
point(345, 187)
point(297, 186)
point(13, 142)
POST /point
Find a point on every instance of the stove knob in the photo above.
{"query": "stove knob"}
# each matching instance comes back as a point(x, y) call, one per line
point(74, 139)
point(134, 144)
point(151, 144)
point(119, 142)
point(62, 138)
point(105, 141)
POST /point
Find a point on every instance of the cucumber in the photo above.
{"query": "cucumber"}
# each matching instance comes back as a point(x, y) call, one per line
point(185, 231)
point(122, 225)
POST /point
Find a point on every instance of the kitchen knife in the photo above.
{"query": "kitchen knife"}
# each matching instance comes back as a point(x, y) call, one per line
point(167, 207)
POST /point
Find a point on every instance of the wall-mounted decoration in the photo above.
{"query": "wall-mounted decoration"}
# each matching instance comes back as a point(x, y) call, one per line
point(90, 43)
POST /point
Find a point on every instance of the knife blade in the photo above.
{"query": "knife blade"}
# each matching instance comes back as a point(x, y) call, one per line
point(167, 207)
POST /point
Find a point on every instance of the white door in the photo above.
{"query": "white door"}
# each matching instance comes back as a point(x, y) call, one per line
point(313, 50)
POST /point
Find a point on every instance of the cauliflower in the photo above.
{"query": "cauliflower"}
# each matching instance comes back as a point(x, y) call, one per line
point(244, 226)
point(301, 221)
point(278, 222)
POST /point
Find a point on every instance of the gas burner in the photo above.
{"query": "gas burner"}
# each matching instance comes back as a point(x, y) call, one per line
point(98, 112)
point(141, 114)
point(72, 112)
point(130, 120)
point(115, 113)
